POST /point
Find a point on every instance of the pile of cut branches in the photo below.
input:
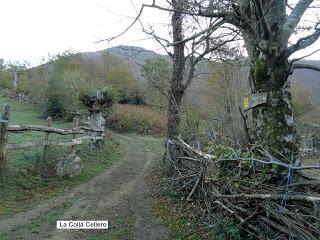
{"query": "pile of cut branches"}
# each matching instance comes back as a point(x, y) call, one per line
point(266, 197)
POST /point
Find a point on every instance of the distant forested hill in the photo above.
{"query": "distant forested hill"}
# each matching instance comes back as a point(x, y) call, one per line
point(309, 79)
point(136, 56)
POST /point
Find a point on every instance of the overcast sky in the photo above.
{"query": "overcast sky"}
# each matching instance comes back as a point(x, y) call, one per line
point(30, 29)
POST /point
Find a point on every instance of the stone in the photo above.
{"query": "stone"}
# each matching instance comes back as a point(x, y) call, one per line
point(70, 167)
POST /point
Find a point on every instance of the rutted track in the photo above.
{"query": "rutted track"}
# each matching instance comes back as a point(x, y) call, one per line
point(119, 195)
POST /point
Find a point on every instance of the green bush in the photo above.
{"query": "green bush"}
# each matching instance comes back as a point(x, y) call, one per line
point(224, 229)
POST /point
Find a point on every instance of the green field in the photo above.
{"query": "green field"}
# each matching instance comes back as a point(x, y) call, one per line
point(26, 179)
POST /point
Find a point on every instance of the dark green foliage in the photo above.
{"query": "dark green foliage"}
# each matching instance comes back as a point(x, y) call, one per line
point(133, 100)
point(171, 188)
point(225, 229)
point(99, 99)
point(53, 107)
point(60, 95)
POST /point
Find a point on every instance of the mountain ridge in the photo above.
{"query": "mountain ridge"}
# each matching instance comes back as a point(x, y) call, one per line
point(137, 55)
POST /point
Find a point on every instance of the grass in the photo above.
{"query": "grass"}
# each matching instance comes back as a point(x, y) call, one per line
point(138, 119)
point(118, 231)
point(30, 230)
point(26, 180)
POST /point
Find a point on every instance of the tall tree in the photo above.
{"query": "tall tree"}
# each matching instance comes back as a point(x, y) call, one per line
point(266, 30)
point(176, 90)
point(17, 68)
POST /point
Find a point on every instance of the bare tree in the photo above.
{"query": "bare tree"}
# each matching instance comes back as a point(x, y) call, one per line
point(266, 30)
point(16, 68)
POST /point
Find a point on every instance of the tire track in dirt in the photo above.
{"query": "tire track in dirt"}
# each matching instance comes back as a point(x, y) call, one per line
point(119, 195)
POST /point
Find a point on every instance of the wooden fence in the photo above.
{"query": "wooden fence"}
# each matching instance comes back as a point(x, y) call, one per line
point(92, 133)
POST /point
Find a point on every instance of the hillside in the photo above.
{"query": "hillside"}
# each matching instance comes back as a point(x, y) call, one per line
point(309, 79)
point(136, 56)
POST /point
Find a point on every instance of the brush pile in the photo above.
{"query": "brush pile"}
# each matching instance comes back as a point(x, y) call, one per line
point(267, 198)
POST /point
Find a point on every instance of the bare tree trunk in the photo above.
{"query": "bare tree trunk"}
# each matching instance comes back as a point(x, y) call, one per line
point(176, 85)
point(15, 79)
point(4, 118)
point(176, 90)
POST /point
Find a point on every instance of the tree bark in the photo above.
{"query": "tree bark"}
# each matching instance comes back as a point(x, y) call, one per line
point(176, 85)
point(176, 89)
point(15, 79)
point(4, 118)
point(273, 120)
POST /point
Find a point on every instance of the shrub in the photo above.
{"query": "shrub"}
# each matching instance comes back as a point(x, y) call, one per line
point(140, 119)
point(133, 100)
point(225, 229)
point(64, 86)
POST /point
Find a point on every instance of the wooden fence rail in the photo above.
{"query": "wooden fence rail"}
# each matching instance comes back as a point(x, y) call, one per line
point(24, 128)
point(47, 130)
point(43, 144)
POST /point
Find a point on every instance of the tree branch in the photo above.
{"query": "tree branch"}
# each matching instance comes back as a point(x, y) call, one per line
point(305, 66)
point(272, 161)
point(209, 29)
point(195, 61)
point(222, 14)
point(126, 29)
point(265, 25)
point(269, 196)
point(308, 55)
point(293, 19)
point(159, 40)
point(304, 42)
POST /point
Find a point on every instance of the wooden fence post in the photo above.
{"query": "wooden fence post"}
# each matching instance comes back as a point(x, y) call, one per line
point(4, 119)
point(46, 140)
point(74, 127)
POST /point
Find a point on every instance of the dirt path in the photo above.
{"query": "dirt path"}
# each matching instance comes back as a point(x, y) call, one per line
point(119, 195)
